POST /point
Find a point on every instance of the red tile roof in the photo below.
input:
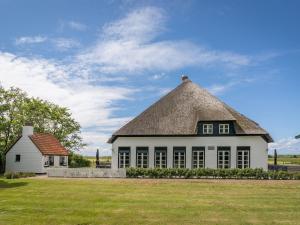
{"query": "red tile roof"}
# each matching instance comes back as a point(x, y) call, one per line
point(48, 144)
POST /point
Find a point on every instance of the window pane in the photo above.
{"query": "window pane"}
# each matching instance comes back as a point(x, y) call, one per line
point(124, 157)
point(160, 154)
point(243, 160)
point(223, 157)
point(179, 157)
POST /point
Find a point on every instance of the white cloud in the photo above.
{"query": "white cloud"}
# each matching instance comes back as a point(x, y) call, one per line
point(130, 45)
point(92, 105)
point(63, 44)
point(30, 40)
point(288, 145)
point(157, 76)
point(74, 25)
point(217, 89)
point(77, 26)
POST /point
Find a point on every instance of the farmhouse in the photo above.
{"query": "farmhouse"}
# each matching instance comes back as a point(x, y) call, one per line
point(35, 152)
point(190, 128)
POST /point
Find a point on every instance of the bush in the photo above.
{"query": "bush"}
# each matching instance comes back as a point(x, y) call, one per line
point(76, 161)
point(15, 175)
point(258, 174)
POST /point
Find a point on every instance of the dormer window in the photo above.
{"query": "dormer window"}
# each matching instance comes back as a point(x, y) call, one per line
point(223, 128)
point(207, 129)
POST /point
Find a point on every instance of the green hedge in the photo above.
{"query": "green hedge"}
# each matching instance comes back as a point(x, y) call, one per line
point(12, 175)
point(258, 174)
point(77, 161)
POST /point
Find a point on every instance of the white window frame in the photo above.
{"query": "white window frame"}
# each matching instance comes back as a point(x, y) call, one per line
point(52, 157)
point(46, 161)
point(223, 163)
point(158, 153)
point(199, 153)
point(64, 161)
point(122, 155)
point(245, 153)
point(224, 128)
point(208, 128)
point(181, 161)
point(142, 157)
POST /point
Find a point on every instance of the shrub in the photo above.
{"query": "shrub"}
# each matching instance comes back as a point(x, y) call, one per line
point(15, 175)
point(248, 173)
point(76, 161)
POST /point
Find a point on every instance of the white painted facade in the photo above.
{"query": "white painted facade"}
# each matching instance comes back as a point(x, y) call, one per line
point(31, 159)
point(258, 149)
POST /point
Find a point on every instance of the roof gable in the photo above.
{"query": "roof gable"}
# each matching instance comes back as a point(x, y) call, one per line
point(178, 113)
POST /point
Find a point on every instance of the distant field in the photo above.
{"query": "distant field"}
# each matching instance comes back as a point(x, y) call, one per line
point(102, 159)
point(286, 160)
point(39, 201)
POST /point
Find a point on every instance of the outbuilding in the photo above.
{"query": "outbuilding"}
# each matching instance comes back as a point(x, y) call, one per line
point(35, 152)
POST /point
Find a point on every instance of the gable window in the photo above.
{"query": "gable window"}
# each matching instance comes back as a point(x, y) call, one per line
point(51, 160)
point(18, 158)
point(142, 157)
point(160, 157)
point(223, 157)
point(179, 157)
point(207, 128)
point(62, 161)
point(124, 157)
point(223, 128)
point(243, 157)
point(198, 154)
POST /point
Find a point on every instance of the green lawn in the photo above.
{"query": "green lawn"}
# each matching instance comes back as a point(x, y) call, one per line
point(129, 201)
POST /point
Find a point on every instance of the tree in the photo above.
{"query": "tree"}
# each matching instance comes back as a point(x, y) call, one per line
point(16, 108)
point(275, 157)
point(97, 159)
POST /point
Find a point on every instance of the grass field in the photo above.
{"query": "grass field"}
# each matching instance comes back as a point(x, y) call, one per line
point(128, 201)
point(286, 160)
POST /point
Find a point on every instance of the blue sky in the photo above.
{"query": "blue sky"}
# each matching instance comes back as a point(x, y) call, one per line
point(108, 60)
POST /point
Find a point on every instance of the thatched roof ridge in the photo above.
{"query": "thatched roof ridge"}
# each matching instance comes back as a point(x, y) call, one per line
point(178, 112)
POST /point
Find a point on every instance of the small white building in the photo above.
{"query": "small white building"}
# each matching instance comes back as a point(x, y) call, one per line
point(35, 152)
point(190, 128)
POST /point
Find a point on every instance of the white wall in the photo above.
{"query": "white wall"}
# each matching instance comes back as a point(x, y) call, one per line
point(258, 152)
point(31, 157)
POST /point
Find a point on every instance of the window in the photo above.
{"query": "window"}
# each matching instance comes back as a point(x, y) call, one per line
point(51, 160)
point(223, 157)
point(160, 154)
point(18, 158)
point(46, 161)
point(243, 157)
point(124, 157)
point(207, 129)
point(224, 128)
point(142, 156)
point(62, 161)
point(198, 154)
point(179, 157)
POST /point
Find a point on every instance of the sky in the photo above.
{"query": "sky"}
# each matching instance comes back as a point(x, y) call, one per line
point(107, 61)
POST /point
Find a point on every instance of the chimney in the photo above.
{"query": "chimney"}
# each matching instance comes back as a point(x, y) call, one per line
point(27, 129)
point(184, 78)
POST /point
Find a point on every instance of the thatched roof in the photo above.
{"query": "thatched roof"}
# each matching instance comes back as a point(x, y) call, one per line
point(178, 112)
